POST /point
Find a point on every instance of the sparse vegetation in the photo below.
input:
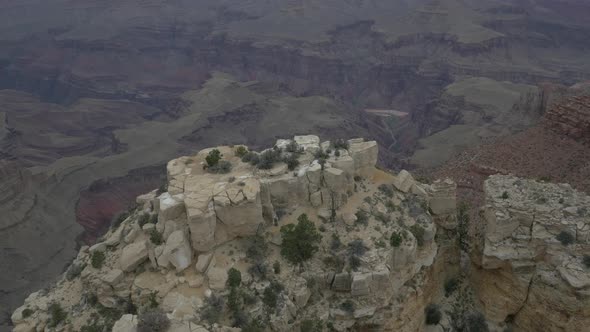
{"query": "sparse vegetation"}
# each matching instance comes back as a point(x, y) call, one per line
point(271, 293)
point(143, 219)
point(357, 248)
point(418, 232)
point(241, 151)
point(362, 217)
point(293, 147)
point(222, 167)
point(156, 237)
point(213, 309)
point(276, 267)
point(433, 314)
point(257, 249)
point(341, 144)
point(475, 322)
point(348, 306)
point(213, 157)
point(335, 242)
point(395, 239)
point(387, 190)
point(153, 321)
point(97, 259)
point(566, 238)
point(451, 286)
point(234, 277)
point(251, 157)
point(258, 270)
point(27, 312)
point(463, 220)
point(300, 241)
point(292, 161)
point(268, 158)
point(505, 195)
point(586, 261)
point(56, 314)
point(311, 325)
point(74, 271)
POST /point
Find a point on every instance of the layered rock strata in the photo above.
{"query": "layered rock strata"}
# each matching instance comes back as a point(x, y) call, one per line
point(531, 271)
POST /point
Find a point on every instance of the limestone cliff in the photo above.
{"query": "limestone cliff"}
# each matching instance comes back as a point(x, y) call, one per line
point(531, 273)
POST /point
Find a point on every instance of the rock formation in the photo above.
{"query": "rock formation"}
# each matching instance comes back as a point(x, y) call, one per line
point(176, 249)
point(531, 272)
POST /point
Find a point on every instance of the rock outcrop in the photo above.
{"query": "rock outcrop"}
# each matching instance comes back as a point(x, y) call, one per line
point(531, 271)
point(176, 250)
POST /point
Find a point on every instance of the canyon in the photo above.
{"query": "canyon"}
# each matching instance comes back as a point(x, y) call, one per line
point(98, 95)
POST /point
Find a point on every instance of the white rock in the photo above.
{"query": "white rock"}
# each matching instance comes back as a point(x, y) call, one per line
point(133, 255)
point(217, 278)
point(101, 246)
point(113, 277)
point(178, 251)
point(404, 181)
point(127, 323)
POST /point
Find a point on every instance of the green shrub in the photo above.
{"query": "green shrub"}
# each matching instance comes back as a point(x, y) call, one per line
point(395, 240)
point(234, 277)
point(251, 157)
point(357, 178)
point(56, 314)
point(566, 238)
point(311, 325)
point(143, 219)
point(475, 322)
point(387, 190)
point(153, 300)
point(348, 306)
point(270, 296)
point(212, 309)
point(586, 261)
point(335, 243)
point(241, 151)
point(233, 300)
point(433, 314)
point(268, 158)
point(213, 157)
point(418, 232)
point(293, 147)
point(258, 270)
point(291, 161)
point(505, 195)
point(276, 267)
point(153, 321)
point(154, 218)
point(357, 247)
point(27, 312)
point(257, 249)
point(222, 167)
point(341, 144)
point(74, 271)
point(156, 237)
point(362, 217)
point(162, 189)
point(451, 286)
point(300, 241)
point(97, 258)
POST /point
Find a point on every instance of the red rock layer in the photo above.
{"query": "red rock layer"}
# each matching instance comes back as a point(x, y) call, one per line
point(104, 199)
point(571, 118)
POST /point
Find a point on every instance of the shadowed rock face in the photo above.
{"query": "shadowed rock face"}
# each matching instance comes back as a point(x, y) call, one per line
point(98, 89)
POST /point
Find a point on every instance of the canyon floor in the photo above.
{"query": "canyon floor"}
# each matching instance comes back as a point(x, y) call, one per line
point(95, 97)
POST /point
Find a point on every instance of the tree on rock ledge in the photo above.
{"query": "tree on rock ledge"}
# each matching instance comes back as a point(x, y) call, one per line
point(300, 241)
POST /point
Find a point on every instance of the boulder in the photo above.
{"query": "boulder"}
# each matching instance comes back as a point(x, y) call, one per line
point(364, 156)
point(404, 181)
point(178, 251)
point(341, 282)
point(217, 278)
point(100, 246)
point(443, 197)
point(171, 207)
point(113, 277)
point(127, 323)
point(360, 285)
point(133, 255)
point(309, 143)
point(203, 262)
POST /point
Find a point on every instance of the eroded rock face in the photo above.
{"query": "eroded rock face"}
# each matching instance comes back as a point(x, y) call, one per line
point(526, 272)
